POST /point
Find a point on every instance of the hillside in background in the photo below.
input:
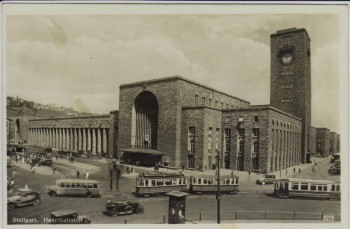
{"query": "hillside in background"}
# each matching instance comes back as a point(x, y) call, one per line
point(18, 106)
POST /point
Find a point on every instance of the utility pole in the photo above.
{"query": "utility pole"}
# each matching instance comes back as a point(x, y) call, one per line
point(218, 186)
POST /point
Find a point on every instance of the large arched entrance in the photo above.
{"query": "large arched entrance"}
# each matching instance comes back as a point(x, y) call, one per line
point(145, 121)
point(144, 131)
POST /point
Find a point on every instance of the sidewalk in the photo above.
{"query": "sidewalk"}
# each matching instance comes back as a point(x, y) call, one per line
point(243, 175)
point(42, 170)
point(77, 165)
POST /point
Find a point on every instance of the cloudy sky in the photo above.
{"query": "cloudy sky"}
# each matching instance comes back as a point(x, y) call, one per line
point(80, 61)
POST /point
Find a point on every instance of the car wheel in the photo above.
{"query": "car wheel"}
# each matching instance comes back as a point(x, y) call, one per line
point(114, 212)
point(53, 193)
point(36, 201)
point(129, 209)
point(88, 195)
point(11, 206)
point(140, 210)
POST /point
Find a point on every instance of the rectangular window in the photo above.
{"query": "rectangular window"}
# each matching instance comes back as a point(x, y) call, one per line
point(256, 119)
point(227, 140)
point(295, 186)
point(191, 139)
point(304, 186)
point(196, 99)
point(313, 187)
point(203, 101)
point(241, 133)
point(256, 134)
point(209, 102)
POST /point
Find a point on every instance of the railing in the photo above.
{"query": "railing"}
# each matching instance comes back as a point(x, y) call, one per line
point(198, 217)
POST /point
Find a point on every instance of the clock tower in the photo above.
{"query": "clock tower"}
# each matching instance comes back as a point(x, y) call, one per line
point(290, 85)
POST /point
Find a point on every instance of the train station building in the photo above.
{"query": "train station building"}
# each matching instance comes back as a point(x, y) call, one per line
point(185, 124)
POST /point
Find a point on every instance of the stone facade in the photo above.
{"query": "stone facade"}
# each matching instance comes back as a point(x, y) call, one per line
point(338, 143)
point(172, 94)
point(333, 143)
point(323, 142)
point(291, 77)
point(88, 133)
point(275, 134)
point(312, 141)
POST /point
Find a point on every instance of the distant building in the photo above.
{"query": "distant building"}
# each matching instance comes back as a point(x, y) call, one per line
point(323, 142)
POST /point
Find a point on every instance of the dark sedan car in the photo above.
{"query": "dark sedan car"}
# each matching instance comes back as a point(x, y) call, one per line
point(116, 207)
point(19, 199)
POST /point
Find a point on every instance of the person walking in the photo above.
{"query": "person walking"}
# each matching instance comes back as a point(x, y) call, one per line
point(54, 170)
point(12, 184)
point(299, 170)
point(294, 169)
point(78, 174)
point(87, 175)
point(14, 173)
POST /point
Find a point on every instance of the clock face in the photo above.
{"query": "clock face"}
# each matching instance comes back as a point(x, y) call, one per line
point(287, 58)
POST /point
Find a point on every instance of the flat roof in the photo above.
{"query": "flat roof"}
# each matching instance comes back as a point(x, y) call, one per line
point(171, 78)
point(290, 30)
point(75, 117)
point(260, 107)
point(78, 181)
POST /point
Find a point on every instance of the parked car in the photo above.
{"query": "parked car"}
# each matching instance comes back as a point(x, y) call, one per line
point(334, 171)
point(44, 161)
point(266, 179)
point(116, 207)
point(20, 198)
point(68, 217)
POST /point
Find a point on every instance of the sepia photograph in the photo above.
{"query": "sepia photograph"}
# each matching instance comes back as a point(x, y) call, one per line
point(160, 113)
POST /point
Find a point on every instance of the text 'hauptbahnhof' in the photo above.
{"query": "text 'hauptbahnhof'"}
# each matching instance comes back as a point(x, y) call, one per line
point(185, 124)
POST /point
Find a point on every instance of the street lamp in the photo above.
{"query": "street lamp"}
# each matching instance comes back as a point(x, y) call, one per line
point(218, 186)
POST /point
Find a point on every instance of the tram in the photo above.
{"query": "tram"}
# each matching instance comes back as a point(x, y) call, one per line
point(207, 183)
point(160, 183)
point(307, 188)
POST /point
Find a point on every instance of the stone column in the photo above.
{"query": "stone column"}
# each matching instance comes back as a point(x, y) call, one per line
point(74, 134)
point(84, 139)
point(93, 141)
point(89, 140)
point(99, 142)
point(67, 138)
point(80, 141)
point(104, 140)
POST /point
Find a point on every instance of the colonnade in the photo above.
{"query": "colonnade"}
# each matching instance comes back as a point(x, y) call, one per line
point(87, 139)
point(286, 149)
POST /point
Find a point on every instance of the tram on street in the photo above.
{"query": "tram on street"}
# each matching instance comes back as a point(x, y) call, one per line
point(74, 187)
point(307, 188)
point(160, 183)
point(208, 183)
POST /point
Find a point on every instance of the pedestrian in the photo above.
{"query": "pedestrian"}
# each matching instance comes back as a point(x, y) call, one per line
point(14, 173)
point(12, 184)
point(299, 170)
point(33, 169)
point(155, 167)
point(294, 169)
point(78, 174)
point(22, 160)
point(87, 175)
point(54, 170)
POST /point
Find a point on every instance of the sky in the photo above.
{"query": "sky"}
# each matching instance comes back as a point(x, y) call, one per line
point(81, 60)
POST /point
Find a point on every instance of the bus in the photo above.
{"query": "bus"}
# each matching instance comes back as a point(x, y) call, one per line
point(160, 183)
point(307, 188)
point(208, 183)
point(74, 187)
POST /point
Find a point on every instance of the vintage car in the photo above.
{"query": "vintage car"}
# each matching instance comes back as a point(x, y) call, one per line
point(45, 161)
point(334, 171)
point(116, 207)
point(21, 198)
point(68, 217)
point(266, 179)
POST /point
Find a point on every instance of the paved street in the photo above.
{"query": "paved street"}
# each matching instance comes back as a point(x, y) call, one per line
point(252, 197)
